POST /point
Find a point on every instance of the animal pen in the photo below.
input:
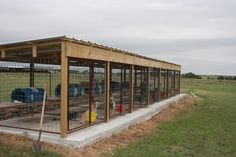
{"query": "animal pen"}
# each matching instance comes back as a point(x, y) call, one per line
point(87, 83)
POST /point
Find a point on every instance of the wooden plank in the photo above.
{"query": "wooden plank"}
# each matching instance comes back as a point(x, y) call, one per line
point(131, 88)
point(89, 52)
point(148, 86)
point(64, 88)
point(107, 91)
point(34, 50)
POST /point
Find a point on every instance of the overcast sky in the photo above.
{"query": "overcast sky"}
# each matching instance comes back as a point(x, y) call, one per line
point(198, 34)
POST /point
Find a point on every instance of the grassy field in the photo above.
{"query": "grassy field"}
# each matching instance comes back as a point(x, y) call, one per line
point(209, 130)
point(7, 151)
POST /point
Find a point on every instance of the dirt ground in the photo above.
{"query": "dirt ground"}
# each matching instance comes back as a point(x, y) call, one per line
point(118, 140)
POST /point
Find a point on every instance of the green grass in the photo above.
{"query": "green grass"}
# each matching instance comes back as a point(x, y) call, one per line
point(209, 130)
point(8, 151)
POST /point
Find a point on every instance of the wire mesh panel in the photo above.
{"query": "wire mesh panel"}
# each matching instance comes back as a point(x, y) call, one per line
point(163, 84)
point(85, 93)
point(119, 89)
point(140, 87)
point(22, 87)
point(172, 82)
point(153, 97)
point(169, 81)
point(177, 82)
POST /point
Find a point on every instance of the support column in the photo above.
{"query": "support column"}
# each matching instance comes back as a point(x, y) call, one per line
point(32, 72)
point(159, 85)
point(179, 81)
point(148, 86)
point(34, 54)
point(64, 89)
point(121, 85)
point(107, 92)
point(174, 81)
point(91, 75)
point(164, 81)
point(131, 88)
point(3, 53)
point(155, 85)
point(167, 85)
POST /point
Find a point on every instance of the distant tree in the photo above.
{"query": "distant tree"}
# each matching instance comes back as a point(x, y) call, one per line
point(220, 77)
point(191, 75)
point(228, 77)
point(234, 77)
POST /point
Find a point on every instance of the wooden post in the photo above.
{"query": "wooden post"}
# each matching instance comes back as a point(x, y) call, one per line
point(159, 84)
point(91, 77)
point(32, 72)
point(179, 82)
point(64, 90)
point(148, 86)
point(121, 85)
point(3, 53)
point(154, 84)
point(34, 54)
point(135, 81)
point(131, 88)
point(107, 92)
point(34, 50)
point(174, 81)
point(167, 85)
point(164, 81)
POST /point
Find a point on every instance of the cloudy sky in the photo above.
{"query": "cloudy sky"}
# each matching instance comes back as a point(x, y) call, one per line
point(198, 34)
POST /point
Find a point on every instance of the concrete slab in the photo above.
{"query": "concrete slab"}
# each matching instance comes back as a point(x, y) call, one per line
point(94, 133)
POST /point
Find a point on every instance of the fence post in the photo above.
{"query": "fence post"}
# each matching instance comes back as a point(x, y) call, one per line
point(148, 86)
point(64, 88)
point(131, 88)
point(107, 92)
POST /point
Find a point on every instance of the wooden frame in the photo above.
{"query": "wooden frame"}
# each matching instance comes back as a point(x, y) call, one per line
point(90, 51)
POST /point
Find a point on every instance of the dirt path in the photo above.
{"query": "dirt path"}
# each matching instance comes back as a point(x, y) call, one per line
point(119, 140)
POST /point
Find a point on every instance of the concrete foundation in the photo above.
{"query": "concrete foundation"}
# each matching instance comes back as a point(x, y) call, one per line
point(97, 132)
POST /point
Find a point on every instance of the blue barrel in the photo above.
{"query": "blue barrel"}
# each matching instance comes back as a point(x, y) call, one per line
point(27, 95)
point(74, 90)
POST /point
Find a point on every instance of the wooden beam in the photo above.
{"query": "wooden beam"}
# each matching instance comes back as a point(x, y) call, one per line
point(34, 50)
point(107, 92)
point(148, 86)
point(131, 85)
point(3, 53)
point(94, 53)
point(25, 46)
point(64, 93)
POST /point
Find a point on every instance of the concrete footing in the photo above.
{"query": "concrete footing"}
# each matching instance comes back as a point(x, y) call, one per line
point(97, 132)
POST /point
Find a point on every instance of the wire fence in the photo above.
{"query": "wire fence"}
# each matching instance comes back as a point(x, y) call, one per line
point(22, 87)
point(22, 82)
